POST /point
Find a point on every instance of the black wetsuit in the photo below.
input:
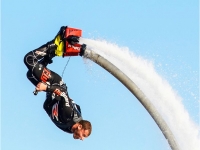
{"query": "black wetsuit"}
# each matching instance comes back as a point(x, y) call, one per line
point(60, 108)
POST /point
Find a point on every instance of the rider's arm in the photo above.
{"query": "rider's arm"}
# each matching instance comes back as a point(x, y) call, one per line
point(50, 88)
point(66, 127)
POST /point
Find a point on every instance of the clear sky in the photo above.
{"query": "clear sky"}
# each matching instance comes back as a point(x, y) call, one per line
point(165, 32)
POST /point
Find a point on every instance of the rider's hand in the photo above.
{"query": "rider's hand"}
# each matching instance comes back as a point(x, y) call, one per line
point(41, 87)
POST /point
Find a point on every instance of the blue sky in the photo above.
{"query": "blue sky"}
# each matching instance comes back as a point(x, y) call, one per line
point(165, 32)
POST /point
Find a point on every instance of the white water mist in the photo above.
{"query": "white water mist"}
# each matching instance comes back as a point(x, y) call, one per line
point(159, 92)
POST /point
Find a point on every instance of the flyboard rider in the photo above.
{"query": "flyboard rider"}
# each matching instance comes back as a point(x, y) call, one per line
point(61, 109)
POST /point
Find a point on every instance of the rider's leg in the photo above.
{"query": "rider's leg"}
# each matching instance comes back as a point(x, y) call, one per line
point(37, 60)
point(31, 78)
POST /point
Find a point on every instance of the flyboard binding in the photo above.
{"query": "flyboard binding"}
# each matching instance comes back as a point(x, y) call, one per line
point(71, 39)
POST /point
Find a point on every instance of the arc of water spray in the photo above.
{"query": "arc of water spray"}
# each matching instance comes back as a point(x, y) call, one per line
point(133, 88)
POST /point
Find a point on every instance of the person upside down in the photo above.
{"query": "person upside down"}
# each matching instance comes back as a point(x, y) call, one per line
point(61, 109)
